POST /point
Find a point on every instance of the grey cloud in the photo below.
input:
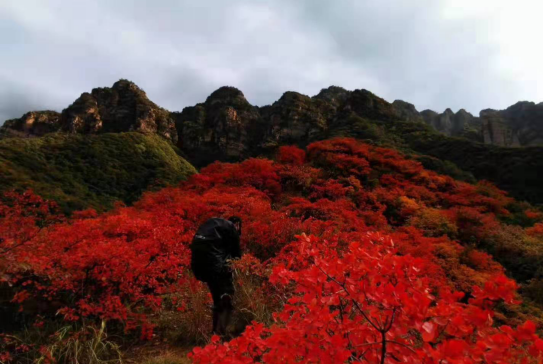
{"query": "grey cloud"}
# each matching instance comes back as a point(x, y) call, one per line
point(15, 100)
point(180, 51)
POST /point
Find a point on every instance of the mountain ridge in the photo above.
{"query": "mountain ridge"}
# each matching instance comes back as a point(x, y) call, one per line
point(228, 128)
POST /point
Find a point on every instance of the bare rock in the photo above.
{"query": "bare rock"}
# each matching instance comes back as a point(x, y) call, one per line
point(31, 124)
point(123, 107)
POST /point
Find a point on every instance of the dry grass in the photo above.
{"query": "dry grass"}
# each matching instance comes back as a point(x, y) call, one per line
point(157, 354)
point(91, 346)
point(187, 318)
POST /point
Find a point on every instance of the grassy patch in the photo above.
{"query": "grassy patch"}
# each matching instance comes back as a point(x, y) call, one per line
point(81, 171)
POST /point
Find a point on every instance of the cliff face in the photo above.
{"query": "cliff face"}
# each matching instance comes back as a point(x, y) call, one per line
point(408, 111)
point(460, 124)
point(295, 117)
point(496, 131)
point(32, 124)
point(227, 127)
point(123, 107)
point(525, 120)
point(518, 125)
point(218, 128)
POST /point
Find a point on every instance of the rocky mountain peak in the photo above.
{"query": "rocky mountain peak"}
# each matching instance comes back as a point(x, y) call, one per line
point(32, 124)
point(450, 123)
point(226, 125)
point(428, 113)
point(487, 112)
point(368, 105)
point(291, 96)
point(122, 107)
point(126, 85)
point(464, 113)
point(333, 94)
point(227, 95)
point(406, 110)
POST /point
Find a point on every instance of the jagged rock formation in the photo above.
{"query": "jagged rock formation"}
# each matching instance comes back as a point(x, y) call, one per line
point(227, 127)
point(460, 124)
point(296, 117)
point(333, 94)
point(407, 111)
point(496, 131)
point(123, 107)
point(32, 124)
point(520, 124)
point(218, 128)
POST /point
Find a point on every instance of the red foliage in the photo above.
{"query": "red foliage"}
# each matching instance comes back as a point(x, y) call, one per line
point(534, 215)
point(291, 155)
point(537, 230)
point(387, 296)
point(371, 305)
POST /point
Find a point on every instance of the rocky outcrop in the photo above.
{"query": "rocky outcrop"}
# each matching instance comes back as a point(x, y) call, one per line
point(123, 107)
point(217, 129)
point(407, 111)
point(334, 95)
point(496, 131)
point(296, 117)
point(518, 125)
point(227, 127)
point(524, 122)
point(452, 124)
point(32, 124)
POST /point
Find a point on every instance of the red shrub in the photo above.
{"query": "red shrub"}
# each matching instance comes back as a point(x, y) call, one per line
point(291, 155)
point(355, 293)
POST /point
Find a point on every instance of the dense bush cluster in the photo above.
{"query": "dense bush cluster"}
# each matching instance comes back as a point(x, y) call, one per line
point(362, 254)
point(82, 171)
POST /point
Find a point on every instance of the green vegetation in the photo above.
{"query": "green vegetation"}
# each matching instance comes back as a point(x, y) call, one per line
point(80, 171)
point(516, 170)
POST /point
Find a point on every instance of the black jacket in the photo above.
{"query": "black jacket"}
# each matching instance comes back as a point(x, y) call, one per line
point(216, 241)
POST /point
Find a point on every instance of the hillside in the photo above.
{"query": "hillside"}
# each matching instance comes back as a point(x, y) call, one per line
point(81, 171)
point(227, 127)
point(351, 251)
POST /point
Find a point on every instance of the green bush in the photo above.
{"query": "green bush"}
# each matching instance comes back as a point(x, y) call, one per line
point(81, 171)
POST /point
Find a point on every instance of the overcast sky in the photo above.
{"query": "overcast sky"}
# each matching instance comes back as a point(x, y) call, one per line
point(470, 54)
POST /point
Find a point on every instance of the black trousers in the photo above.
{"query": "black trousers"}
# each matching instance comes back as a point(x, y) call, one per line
point(222, 290)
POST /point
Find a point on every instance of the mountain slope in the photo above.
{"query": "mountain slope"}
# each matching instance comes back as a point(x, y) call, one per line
point(227, 127)
point(80, 171)
point(349, 249)
point(234, 134)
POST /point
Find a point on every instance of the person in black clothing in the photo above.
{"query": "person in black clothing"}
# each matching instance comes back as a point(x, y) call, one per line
point(216, 242)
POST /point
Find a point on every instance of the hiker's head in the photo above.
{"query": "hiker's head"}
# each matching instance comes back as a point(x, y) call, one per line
point(237, 223)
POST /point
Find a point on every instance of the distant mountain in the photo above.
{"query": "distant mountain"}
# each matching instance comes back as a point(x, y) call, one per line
point(123, 107)
point(227, 127)
point(518, 125)
point(32, 124)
